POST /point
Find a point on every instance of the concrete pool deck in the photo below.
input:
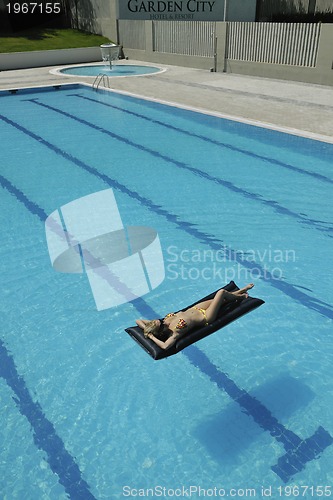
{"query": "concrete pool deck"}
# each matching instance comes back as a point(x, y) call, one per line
point(294, 106)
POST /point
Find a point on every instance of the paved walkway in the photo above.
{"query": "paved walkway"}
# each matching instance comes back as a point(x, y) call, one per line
point(289, 105)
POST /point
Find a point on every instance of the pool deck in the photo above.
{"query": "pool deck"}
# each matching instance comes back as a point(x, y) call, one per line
point(299, 108)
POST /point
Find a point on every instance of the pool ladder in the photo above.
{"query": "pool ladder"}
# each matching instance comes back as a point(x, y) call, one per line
point(103, 79)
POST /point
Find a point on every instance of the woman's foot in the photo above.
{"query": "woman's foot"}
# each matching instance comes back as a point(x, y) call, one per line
point(243, 291)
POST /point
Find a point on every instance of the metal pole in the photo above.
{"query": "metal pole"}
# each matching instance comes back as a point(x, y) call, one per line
point(215, 53)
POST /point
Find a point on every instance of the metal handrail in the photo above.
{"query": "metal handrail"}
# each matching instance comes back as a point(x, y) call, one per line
point(101, 78)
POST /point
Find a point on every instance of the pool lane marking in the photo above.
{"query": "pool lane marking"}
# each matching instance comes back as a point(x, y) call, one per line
point(287, 288)
point(30, 205)
point(36, 210)
point(44, 434)
point(215, 142)
point(68, 475)
point(312, 303)
point(321, 226)
point(298, 451)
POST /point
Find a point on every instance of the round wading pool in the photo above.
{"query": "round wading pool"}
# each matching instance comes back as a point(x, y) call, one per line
point(115, 70)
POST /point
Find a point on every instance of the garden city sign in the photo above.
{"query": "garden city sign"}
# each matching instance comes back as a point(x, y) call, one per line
point(171, 10)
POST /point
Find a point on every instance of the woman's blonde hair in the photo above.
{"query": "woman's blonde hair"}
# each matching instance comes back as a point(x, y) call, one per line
point(151, 327)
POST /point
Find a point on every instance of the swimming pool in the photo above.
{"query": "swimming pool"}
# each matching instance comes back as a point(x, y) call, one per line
point(85, 412)
point(116, 70)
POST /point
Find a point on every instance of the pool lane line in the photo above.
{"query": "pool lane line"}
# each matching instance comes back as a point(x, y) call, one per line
point(30, 205)
point(34, 209)
point(298, 451)
point(215, 142)
point(45, 437)
point(321, 226)
point(44, 434)
point(292, 291)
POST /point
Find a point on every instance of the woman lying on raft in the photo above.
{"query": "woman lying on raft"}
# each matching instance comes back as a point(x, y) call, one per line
point(178, 324)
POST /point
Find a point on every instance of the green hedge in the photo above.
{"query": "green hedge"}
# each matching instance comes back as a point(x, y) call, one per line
point(49, 39)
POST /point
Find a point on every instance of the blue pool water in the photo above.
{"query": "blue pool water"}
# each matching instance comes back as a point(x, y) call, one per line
point(117, 70)
point(85, 412)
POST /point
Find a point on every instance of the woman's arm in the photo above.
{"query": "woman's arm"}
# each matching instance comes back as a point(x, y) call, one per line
point(141, 323)
point(164, 345)
point(168, 343)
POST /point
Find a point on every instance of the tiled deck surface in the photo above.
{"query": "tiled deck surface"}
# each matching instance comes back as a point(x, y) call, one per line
point(292, 105)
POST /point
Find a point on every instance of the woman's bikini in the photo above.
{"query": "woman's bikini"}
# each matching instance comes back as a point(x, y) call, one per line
point(203, 311)
point(182, 322)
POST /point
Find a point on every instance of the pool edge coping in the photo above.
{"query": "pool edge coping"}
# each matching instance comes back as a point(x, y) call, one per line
point(255, 123)
point(58, 71)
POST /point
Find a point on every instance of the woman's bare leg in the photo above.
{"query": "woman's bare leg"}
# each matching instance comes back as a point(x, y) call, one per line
point(204, 305)
point(227, 296)
point(244, 290)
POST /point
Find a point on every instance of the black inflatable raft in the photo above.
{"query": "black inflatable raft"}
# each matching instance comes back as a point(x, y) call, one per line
point(228, 313)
